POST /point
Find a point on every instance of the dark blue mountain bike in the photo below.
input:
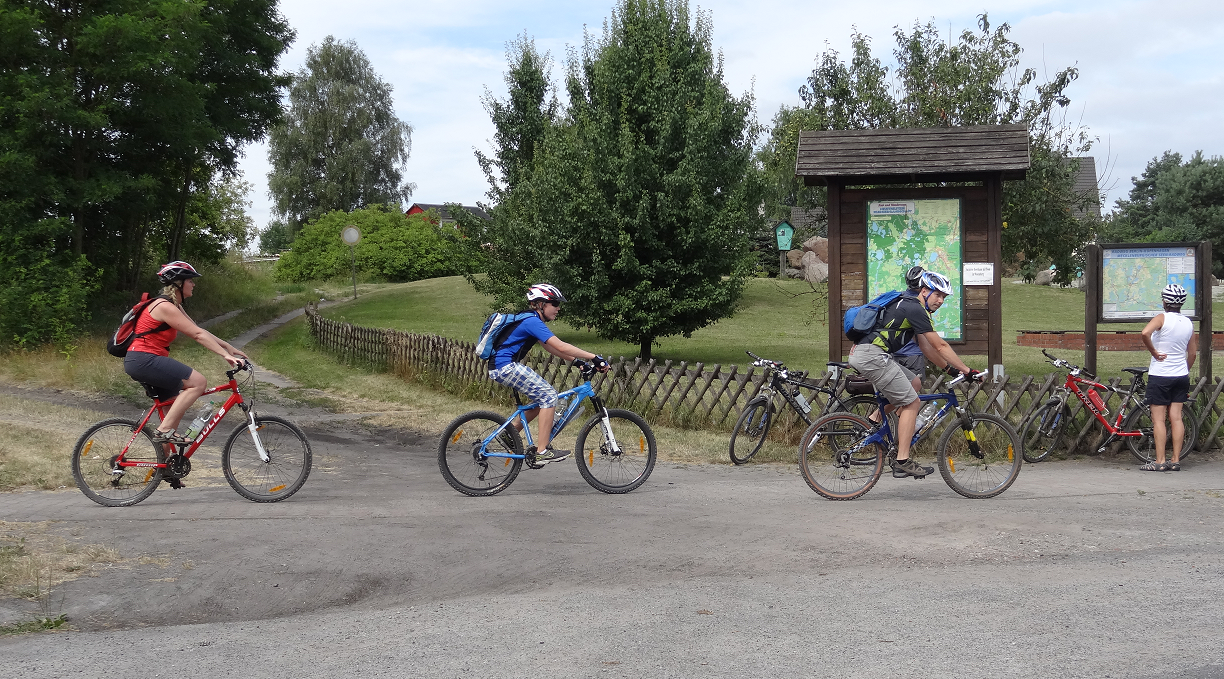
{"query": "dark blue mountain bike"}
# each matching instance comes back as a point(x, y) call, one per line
point(481, 453)
point(842, 455)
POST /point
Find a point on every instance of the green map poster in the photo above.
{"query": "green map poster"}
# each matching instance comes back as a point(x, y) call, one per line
point(1133, 277)
point(902, 233)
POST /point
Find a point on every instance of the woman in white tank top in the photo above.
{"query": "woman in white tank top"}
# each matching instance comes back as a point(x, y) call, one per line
point(1169, 338)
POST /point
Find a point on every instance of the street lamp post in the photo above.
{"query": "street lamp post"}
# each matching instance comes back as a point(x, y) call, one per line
point(351, 235)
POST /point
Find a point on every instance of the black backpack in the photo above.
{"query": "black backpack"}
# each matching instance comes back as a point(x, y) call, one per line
point(121, 339)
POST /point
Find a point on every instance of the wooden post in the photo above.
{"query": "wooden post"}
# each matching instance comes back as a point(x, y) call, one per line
point(835, 273)
point(1092, 304)
point(1203, 284)
point(994, 246)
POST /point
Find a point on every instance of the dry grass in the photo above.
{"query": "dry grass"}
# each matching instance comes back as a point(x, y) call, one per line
point(87, 369)
point(36, 440)
point(34, 560)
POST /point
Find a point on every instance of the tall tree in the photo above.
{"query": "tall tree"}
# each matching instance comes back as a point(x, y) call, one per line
point(340, 145)
point(115, 114)
point(504, 253)
point(974, 80)
point(643, 196)
point(1174, 201)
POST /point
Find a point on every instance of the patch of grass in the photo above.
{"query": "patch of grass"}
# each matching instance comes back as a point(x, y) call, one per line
point(259, 313)
point(34, 561)
point(781, 320)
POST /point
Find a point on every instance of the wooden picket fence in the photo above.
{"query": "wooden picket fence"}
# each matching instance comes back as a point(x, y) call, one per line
point(700, 396)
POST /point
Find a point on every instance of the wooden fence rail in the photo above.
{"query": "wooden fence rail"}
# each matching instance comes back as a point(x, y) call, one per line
point(702, 396)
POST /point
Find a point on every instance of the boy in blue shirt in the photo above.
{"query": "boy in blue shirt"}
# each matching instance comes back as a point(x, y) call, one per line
point(505, 367)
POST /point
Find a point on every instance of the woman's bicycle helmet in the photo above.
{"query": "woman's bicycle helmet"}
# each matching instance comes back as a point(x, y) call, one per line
point(545, 292)
point(937, 282)
point(176, 271)
point(1173, 294)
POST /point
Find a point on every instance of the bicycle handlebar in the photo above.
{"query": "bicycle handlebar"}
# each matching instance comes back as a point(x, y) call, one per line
point(244, 365)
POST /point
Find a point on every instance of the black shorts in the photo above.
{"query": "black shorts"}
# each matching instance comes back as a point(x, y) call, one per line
point(1161, 391)
point(164, 373)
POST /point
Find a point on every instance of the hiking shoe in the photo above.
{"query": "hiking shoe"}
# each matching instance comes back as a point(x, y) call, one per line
point(507, 440)
point(904, 468)
point(549, 454)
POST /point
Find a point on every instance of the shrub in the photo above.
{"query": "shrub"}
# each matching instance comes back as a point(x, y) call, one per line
point(394, 248)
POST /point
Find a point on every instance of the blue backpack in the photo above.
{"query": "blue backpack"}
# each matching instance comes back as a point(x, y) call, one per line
point(496, 328)
point(861, 320)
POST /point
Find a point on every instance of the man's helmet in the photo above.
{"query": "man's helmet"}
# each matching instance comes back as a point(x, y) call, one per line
point(176, 271)
point(913, 277)
point(1173, 294)
point(546, 292)
point(937, 282)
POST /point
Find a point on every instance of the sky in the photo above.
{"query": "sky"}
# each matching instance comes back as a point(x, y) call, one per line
point(1151, 73)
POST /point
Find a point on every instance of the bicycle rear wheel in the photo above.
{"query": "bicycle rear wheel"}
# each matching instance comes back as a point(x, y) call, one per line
point(1043, 431)
point(621, 467)
point(288, 465)
point(1144, 447)
point(833, 460)
point(863, 405)
point(990, 470)
point(750, 430)
point(469, 470)
point(94, 457)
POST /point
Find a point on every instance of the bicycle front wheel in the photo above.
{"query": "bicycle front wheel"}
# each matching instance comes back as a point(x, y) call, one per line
point(618, 457)
point(750, 430)
point(1043, 431)
point(1144, 447)
point(983, 461)
point(288, 465)
point(833, 459)
point(466, 466)
point(95, 463)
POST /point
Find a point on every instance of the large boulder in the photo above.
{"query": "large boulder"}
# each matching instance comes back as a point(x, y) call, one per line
point(814, 269)
point(1044, 277)
point(819, 245)
point(794, 258)
point(794, 273)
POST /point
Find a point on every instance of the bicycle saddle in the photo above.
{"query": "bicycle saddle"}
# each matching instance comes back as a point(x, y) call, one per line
point(839, 364)
point(1135, 371)
point(150, 390)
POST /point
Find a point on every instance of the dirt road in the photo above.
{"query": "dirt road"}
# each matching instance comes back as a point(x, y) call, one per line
point(378, 569)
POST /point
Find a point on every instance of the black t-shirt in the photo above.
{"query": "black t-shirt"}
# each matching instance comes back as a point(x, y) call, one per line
point(901, 321)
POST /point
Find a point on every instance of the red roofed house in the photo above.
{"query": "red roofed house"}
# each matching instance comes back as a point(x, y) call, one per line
point(418, 208)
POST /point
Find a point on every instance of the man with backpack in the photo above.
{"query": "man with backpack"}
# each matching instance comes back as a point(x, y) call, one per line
point(909, 318)
point(505, 365)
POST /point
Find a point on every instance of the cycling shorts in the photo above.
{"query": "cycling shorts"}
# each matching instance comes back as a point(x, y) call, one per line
point(1163, 391)
point(916, 364)
point(164, 373)
point(527, 382)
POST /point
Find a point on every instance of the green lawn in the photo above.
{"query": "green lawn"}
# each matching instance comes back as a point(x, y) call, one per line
point(776, 319)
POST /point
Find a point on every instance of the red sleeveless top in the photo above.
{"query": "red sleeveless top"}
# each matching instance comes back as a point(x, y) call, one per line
point(155, 342)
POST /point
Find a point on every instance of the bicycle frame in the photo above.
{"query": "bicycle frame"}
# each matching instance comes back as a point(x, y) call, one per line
point(578, 394)
point(884, 433)
point(160, 407)
point(1115, 429)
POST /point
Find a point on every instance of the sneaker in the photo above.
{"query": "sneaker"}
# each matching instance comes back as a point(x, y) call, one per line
point(507, 440)
point(549, 454)
point(904, 468)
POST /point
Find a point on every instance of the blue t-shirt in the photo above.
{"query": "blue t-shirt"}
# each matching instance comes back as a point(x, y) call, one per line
point(531, 327)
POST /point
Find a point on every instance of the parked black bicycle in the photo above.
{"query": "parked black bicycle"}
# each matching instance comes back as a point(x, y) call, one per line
point(757, 418)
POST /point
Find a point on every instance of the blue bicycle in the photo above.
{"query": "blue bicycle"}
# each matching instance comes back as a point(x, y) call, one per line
point(842, 455)
point(481, 453)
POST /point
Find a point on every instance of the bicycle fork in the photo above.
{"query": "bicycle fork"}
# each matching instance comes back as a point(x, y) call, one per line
point(259, 446)
point(970, 438)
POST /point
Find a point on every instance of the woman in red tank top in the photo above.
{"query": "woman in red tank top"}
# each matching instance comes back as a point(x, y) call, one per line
point(148, 358)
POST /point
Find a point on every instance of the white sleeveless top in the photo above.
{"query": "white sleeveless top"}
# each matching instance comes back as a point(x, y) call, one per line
point(1171, 338)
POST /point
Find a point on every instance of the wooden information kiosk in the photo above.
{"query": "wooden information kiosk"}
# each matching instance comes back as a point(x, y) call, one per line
point(950, 222)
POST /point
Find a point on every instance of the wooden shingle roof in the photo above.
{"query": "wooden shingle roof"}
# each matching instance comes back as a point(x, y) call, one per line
point(903, 155)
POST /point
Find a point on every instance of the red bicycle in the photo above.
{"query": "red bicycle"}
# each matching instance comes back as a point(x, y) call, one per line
point(266, 459)
point(1043, 430)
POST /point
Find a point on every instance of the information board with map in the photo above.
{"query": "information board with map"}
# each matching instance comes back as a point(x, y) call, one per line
point(1133, 277)
point(902, 233)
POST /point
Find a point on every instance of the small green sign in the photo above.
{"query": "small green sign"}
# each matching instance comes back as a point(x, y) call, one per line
point(784, 231)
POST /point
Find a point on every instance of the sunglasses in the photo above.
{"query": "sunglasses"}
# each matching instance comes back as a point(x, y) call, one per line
point(554, 302)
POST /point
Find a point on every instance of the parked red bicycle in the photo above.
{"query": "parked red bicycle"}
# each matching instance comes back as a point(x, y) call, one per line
point(1043, 430)
point(266, 459)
